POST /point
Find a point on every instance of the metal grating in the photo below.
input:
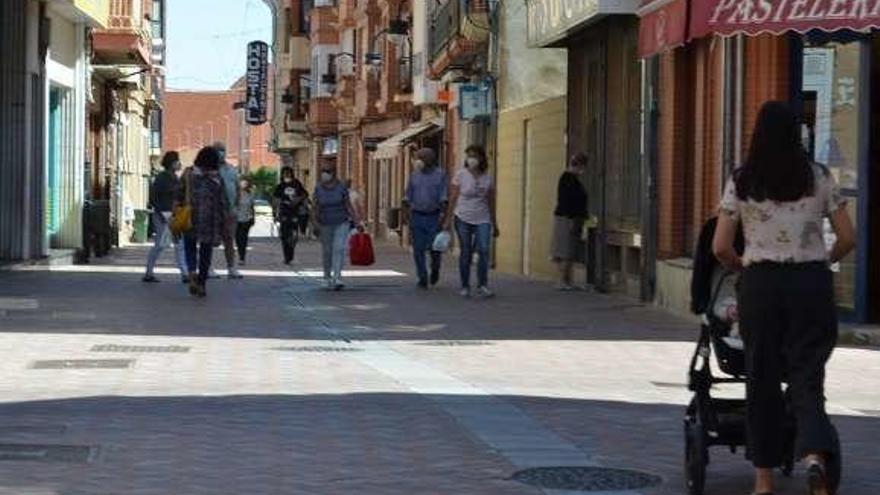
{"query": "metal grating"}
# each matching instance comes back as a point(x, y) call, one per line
point(319, 349)
point(33, 429)
point(586, 479)
point(455, 343)
point(143, 349)
point(669, 385)
point(76, 454)
point(82, 364)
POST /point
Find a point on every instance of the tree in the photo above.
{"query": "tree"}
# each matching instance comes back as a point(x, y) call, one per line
point(264, 181)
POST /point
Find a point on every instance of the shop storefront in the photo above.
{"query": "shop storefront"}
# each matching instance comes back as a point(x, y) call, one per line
point(604, 116)
point(823, 57)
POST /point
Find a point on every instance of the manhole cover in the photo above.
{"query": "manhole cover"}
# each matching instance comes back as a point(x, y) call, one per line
point(324, 349)
point(139, 348)
point(82, 364)
point(48, 453)
point(589, 479)
point(454, 343)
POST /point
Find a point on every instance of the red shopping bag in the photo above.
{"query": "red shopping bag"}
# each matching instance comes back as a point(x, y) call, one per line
point(360, 249)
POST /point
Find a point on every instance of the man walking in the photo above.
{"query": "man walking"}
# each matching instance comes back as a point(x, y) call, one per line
point(425, 206)
point(162, 193)
point(231, 188)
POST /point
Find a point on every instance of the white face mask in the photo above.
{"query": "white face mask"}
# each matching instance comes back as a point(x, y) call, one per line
point(326, 176)
point(472, 163)
point(419, 164)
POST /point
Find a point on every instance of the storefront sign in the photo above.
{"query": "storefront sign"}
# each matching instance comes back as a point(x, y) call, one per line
point(552, 20)
point(473, 101)
point(256, 100)
point(728, 17)
point(662, 26)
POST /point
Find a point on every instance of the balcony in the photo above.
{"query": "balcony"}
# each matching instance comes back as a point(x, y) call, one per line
point(126, 41)
point(323, 117)
point(367, 94)
point(458, 34)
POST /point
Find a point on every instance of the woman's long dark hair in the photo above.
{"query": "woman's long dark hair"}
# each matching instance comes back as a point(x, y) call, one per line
point(777, 167)
point(208, 159)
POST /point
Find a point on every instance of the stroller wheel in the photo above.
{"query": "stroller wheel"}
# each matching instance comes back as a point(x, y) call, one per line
point(696, 455)
point(788, 468)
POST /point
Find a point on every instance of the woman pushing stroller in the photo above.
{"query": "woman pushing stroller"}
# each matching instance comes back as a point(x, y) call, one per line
point(787, 309)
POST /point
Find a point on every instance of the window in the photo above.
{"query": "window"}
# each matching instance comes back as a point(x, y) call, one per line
point(156, 22)
point(305, 6)
point(288, 29)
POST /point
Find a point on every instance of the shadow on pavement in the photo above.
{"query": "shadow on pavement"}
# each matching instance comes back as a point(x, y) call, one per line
point(371, 443)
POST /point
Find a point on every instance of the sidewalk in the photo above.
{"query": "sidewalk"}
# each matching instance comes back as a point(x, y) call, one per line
point(271, 385)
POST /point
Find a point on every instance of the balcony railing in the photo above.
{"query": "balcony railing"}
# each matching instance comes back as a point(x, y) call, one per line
point(445, 23)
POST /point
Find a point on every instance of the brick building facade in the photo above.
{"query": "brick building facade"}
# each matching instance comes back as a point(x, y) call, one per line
point(193, 119)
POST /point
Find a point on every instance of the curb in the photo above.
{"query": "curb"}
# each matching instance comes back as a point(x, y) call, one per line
point(55, 257)
point(859, 335)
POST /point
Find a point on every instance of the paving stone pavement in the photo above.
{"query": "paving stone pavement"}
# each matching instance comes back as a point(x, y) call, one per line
point(273, 386)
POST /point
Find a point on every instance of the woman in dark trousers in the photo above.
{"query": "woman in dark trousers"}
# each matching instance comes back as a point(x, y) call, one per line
point(568, 225)
point(203, 190)
point(787, 310)
point(290, 197)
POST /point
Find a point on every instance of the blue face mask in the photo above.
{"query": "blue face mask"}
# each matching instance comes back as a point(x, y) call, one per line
point(222, 156)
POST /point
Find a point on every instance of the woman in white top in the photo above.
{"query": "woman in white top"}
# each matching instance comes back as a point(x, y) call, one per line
point(472, 203)
point(245, 218)
point(787, 310)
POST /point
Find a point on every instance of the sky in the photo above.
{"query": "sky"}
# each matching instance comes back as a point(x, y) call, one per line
point(206, 40)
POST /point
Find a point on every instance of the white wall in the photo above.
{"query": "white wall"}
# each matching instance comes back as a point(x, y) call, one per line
point(67, 69)
point(526, 75)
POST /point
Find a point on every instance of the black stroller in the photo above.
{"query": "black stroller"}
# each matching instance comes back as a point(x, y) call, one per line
point(712, 421)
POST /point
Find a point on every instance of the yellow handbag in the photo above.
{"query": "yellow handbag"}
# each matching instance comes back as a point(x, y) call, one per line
point(181, 217)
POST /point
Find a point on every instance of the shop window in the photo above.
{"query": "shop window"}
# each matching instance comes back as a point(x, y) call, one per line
point(833, 94)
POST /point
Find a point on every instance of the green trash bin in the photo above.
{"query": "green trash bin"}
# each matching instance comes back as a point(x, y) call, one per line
point(141, 222)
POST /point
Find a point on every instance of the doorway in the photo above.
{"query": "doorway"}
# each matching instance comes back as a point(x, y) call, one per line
point(54, 162)
point(835, 97)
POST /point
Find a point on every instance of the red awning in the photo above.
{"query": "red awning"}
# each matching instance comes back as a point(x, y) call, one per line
point(663, 25)
point(727, 17)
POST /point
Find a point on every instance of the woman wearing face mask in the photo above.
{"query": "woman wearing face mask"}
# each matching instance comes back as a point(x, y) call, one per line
point(246, 216)
point(472, 204)
point(290, 198)
point(333, 214)
point(162, 193)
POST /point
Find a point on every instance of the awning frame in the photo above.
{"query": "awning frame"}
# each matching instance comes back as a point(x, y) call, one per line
point(390, 147)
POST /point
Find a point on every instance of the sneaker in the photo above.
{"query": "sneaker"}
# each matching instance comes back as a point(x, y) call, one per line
point(213, 274)
point(817, 481)
point(435, 276)
point(566, 288)
point(184, 279)
point(338, 286)
point(465, 292)
point(422, 285)
point(150, 279)
point(485, 292)
point(234, 274)
point(328, 284)
point(241, 263)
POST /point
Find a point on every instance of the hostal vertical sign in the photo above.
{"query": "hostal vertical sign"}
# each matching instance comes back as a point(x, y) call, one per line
point(256, 100)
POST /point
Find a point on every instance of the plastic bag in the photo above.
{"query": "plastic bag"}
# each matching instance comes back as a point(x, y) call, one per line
point(360, 249)
point(442, 242)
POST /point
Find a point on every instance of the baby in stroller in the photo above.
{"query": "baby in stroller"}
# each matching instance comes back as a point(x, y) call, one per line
point(711, 421)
